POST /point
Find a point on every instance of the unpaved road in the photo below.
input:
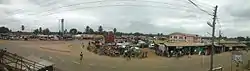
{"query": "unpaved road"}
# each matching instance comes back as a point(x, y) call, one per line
point(69, 61)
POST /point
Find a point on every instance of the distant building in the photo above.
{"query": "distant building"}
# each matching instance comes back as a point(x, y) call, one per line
point(183, 37)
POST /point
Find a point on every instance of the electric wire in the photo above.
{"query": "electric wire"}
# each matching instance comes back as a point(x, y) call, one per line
point(65, 6)
point(199, 7)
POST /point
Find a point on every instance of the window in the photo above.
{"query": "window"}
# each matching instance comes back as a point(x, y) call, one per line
point(175, 37)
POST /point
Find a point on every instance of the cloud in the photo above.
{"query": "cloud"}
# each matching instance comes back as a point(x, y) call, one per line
point(147, 16)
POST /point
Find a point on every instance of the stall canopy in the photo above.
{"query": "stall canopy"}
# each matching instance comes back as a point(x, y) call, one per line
point(235, 45)
point(181, 44)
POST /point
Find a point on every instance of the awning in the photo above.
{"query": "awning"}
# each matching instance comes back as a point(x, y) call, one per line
point(181, 44)
point(235, 45)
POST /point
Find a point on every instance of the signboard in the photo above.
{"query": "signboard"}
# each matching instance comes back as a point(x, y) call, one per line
point(237, 57)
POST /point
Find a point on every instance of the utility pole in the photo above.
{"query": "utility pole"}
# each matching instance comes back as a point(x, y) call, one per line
point(213, 38)
point(62, 26)
point(219, 37)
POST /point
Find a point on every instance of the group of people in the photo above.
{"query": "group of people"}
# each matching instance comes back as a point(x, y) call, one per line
point(117, 51)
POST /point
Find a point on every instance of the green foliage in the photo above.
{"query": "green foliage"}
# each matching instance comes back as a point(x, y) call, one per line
point(36, 31)
point(73, 31)
point(4, 30)
point(87, 29)
point(40, 30)
point(100, 29)
point(46, 31)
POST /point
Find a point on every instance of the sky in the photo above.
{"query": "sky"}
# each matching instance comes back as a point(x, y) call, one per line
point(146, 16)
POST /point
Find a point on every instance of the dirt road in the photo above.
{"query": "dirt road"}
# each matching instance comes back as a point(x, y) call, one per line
point(69, 61)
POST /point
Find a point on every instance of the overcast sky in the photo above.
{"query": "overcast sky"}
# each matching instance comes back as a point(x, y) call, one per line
point(147, 16)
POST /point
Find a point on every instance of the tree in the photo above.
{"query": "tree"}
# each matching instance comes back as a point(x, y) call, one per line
point(247, 38)
point(4, 30)
point(114, 30)
point(241, 38)
point(137, 34)
point(79, 32)
point(73, 31)
point(158, 34)
point(91, 31)
point(161, 34)
point(100, 29)
point(87, 29)
point(22, 27)
point(119, 33)
point(40, 30)
point(65, 31)
point(36, 31)
point(46, 31)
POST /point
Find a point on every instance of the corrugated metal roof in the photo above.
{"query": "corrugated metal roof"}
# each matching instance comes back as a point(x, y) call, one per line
point(234, 45)
point(227, 42)
point(184, 44)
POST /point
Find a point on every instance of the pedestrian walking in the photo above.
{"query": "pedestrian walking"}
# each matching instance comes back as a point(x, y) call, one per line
point(81, 57)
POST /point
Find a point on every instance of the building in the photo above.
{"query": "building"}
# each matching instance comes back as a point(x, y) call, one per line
point(183, 37)
point(233, 45)
point(206, 39)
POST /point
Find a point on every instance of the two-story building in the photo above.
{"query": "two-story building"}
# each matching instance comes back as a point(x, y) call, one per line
point(183, 37)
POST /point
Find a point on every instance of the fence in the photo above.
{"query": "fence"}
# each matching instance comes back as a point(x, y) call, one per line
point(13, 62)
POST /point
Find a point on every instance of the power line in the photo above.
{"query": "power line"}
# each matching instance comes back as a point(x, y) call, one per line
point(40, 4)
point(118, 5)
point(199, 7)
point(50, 3)
point(206, 5)
point(123, 5)
point(56, 8)
point(126, 5)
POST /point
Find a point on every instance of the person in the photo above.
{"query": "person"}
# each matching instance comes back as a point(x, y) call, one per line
point(82, 45)
point(89, 43)
point(81, 56)
point(5, 49)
